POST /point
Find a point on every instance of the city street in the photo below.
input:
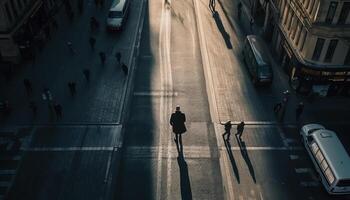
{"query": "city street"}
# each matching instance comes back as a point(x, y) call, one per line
point(191, 59)
point(114, 139)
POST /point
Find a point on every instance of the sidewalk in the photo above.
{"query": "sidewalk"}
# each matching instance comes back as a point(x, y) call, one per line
point(231, 78)
point(96, 101)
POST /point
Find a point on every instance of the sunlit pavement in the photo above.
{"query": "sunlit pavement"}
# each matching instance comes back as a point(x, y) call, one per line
point(189, 58)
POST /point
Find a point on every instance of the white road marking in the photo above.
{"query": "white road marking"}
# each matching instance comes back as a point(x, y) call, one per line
point(302, 170)
point(309, 184)
point(7, 172)
point(293, 157)
point(43, 149)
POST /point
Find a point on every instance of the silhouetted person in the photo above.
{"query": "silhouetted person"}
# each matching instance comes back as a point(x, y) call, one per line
point(177, 121)
point(240, 128)
point(212, 5)
point(92, 42)
point(58, 110)
point(118, 56)
point(47, 96)
point(125, 69)
point(72, 88)
point(277, 107)
point(102, 57)
point(299, 110)
point(28, 85)
point(86, 73)
point(228, 126)
point(70, 47)
point(33, 107)
point(251, 23)
point(93, 23)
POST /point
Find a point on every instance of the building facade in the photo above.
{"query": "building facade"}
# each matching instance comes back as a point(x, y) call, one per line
point(21, 24)
point(312, 41)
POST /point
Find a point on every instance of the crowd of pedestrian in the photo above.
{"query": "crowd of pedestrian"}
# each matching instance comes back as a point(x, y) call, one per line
point(46, 95)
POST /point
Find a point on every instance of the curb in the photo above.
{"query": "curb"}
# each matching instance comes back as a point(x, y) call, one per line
point(111, 178)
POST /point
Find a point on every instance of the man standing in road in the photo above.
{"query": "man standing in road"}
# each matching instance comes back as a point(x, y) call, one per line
point(299, 110)
point(177, 121)
point(240, 128)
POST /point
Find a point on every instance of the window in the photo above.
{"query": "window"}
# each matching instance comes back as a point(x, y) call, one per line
point(347, 58)
point(314, 147)
point(8, 13)
point(296, 27)
point(331, 11)
point(290, 21)
point(298, 34)
point(287, 14)
point(324, 165)
point(304, 39)
point(319, 157)
point(318, 49)
point(330, 51)
point(344, 13)
point(311, 5)
point(329, 176)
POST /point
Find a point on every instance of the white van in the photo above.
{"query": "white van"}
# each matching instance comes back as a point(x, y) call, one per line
point(329, 156)
point(117, 14)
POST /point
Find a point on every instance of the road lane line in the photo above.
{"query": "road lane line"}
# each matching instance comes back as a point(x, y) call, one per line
point(293, 157)
point(302, 170)
point(43, 149)
point(156, 94)
point(309, 184)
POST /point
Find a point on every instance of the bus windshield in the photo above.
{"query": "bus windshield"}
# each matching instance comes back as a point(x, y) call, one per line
point(343, 183)
point(115, 14)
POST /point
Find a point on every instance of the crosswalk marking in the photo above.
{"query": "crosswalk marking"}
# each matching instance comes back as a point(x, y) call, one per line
point(68, 149)
point(309, 184)
point(302, 170)
point(7, 172)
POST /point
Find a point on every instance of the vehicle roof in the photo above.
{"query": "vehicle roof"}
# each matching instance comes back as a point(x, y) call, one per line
point(336, 155)
point(309, 127)
point(117, 5)
point(259, 49)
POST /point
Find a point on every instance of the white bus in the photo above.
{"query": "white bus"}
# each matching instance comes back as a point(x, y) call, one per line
point(331, 160)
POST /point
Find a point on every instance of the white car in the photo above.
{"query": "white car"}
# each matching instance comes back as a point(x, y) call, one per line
point(310, 128)
point(117, 14)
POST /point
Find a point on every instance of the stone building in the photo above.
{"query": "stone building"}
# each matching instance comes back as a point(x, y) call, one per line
point(311, 40)
point(21, 24)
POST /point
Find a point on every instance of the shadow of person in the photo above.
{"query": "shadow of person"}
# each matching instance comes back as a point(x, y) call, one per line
point(186, 192)
point(222, 30)
point(230, 155)
point(178, 142)
point(245, 156)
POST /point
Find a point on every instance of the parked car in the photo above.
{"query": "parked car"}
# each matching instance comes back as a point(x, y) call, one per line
point(257, 60)
point(117, 15)
point(329, 157)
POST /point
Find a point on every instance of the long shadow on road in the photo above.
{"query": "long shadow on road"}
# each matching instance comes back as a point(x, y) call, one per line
point(245, 156)
point(232, 159)
point(185, 184)
point(222, 30)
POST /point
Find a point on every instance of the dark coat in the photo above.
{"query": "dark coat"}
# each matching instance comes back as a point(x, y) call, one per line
point(177, 120)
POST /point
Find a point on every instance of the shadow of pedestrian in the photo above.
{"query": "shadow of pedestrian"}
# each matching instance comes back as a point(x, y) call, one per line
point(230, 155)
point(222, 30)
point(245, 156)
point(186, 192)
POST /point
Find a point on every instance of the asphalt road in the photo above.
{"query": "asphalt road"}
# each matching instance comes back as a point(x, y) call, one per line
point(187, 59)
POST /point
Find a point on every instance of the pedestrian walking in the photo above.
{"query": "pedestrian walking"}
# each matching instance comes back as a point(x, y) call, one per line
point(86, 73)
point(102, 57)
point(72, 88)
point(228, 126)
point(70, 47)
point(277, 107)
point(92, 42)
point(239, 10)
point(251, 22)
point(33, 107)
point(118, 56)
point(177, 121)
point(47, 96)
point(93, 24)
point(240, 128)
point(299, 110)
point(28, 86)
point(58, 110)
point(125, 69)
